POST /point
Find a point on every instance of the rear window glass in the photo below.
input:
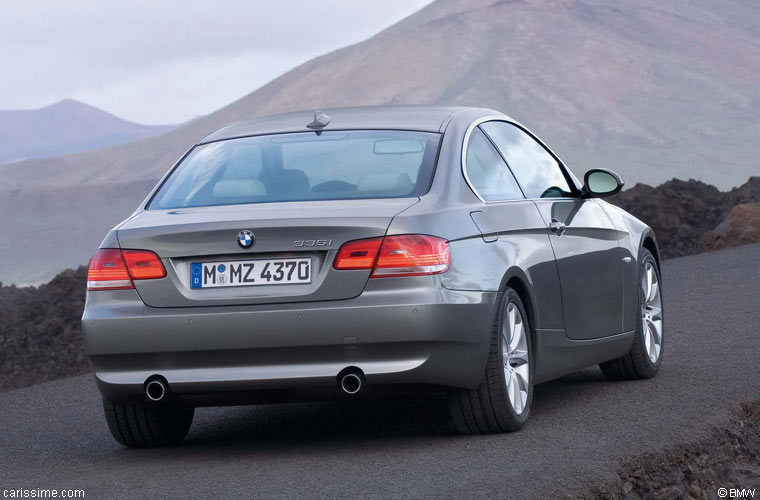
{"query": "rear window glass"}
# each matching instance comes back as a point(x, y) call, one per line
point(302, 166)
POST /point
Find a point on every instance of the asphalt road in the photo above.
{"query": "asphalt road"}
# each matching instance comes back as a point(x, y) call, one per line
point(54, 436)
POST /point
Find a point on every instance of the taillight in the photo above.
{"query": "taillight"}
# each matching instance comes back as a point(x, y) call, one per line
point(143, 265)
point(402, 255)
point(113, 269)
point(108, 271)
point(359, 254)
point(412, 255)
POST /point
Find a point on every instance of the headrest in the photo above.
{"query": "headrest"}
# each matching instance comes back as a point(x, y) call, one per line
point(289, 181)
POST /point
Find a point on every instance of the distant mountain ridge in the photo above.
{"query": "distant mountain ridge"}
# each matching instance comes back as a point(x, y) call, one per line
point(652, 89)
point(68, 126)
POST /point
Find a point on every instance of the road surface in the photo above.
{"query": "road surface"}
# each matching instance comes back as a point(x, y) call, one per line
point(54, 436)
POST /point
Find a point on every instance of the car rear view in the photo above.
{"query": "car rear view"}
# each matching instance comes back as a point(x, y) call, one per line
point(261, 269)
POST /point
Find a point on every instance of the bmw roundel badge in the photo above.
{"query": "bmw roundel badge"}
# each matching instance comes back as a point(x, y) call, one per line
point(245, 239)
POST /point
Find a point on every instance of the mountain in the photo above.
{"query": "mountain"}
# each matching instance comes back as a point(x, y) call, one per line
point(651, 89)
point(68, 126)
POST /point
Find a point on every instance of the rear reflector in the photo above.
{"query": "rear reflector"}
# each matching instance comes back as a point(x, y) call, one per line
point(402, 255)
point(113, 269)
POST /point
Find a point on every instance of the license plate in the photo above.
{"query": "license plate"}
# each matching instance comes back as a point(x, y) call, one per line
point(250, 273)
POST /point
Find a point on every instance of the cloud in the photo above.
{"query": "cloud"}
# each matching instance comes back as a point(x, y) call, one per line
point(173, 60)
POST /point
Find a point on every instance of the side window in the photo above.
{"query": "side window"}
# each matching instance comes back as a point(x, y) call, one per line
point(538, 173)
point(487, 172)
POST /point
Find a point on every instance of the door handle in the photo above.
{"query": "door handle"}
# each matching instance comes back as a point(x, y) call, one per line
point(557, 227)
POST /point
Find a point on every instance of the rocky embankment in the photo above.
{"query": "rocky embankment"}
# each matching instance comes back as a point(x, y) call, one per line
point(691, 217)
point(39, 331)
point(741, 226)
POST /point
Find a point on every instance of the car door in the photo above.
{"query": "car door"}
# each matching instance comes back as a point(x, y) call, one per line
point(585, 242)
point(512, 228)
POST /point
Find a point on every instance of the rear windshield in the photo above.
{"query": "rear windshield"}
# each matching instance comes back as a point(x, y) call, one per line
point(303, 166)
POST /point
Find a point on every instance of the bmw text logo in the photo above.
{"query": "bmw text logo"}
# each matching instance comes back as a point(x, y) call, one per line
point(245, 239)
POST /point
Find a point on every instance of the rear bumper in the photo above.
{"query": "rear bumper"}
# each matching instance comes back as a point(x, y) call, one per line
point(399, 331)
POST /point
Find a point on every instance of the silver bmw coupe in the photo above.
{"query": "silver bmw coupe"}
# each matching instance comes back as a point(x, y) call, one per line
point(351, 252)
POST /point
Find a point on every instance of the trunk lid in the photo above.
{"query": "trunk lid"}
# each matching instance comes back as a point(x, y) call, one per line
point(313, 229)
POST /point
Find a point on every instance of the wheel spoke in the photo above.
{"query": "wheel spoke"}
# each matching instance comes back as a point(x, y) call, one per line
point(653, 292)
point(657, 327)
point(647, 337)
point(653, 342)
point(517, 335)
point(518, 357)
point(523, 373)
point(504, 346)
point(654, 313)
point(511, 312)
point(650, 281)
point(644, 287)
point(645, 283)
point(521, 376)
point(516, 399)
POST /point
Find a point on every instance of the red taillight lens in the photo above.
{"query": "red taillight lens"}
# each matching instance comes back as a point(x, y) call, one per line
point(412, 255)
point(108, 271)
point(143, 265)
point(113, 269)
point(402, 255)
point(360, 254)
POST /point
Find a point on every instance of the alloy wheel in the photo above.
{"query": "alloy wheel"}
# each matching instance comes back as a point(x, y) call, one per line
point(651, 312)
point(514, 349)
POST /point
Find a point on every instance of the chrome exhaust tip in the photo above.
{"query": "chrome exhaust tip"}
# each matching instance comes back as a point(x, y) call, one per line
point(155, 390)
point(351, 383)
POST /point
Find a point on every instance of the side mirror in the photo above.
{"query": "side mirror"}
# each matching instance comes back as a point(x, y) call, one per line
point(599, 182)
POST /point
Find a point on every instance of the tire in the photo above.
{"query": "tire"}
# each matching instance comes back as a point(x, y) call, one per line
point(489, 408)
point(145, 426)
point(645, 357)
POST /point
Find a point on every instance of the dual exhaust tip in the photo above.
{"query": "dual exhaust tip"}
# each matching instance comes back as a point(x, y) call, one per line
point(156, 389)
point(351, 382)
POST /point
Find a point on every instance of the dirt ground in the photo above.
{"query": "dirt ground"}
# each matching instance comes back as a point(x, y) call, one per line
point(729, 458)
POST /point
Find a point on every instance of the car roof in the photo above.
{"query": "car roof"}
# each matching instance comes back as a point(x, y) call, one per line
point(411, 117)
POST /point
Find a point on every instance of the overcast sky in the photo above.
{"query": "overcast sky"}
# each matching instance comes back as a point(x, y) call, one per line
point(166, 61)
